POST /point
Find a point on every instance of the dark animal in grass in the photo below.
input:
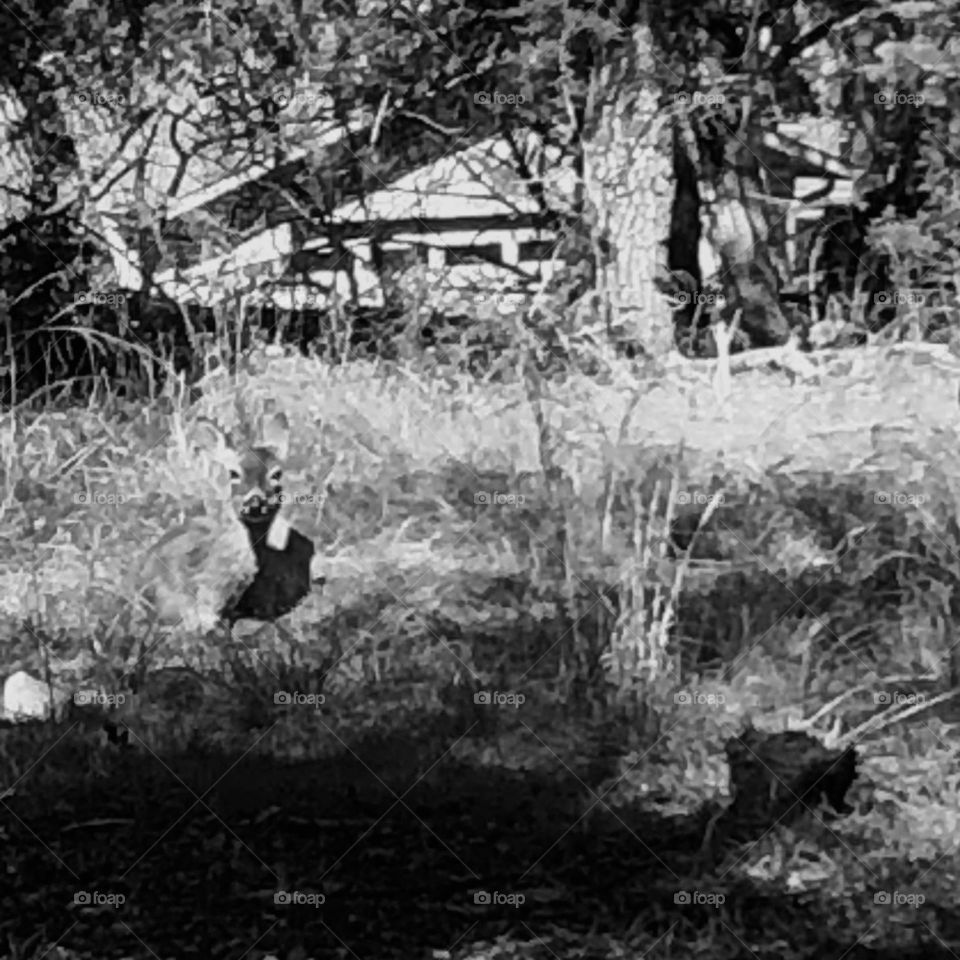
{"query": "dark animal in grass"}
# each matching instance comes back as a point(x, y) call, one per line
point(776, 777)
point(212, 568)
point(282, 579)
point(283, 555)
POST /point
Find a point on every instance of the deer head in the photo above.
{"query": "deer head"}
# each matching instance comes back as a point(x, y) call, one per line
point(253, 455)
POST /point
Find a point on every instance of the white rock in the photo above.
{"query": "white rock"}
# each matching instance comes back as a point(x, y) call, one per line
point(26, 698)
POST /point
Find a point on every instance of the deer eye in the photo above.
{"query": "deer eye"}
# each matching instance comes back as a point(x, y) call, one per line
point(234, 474)
point(275, 475)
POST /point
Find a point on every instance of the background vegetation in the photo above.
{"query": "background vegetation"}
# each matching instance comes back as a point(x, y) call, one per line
point(559, 577)
point(544, 671)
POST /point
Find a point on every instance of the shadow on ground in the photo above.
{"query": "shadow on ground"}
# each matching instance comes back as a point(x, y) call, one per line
point(361, 855)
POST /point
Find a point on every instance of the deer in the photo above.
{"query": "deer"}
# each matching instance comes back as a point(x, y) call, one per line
point(257, 569)
point(239, 559)
point(235, 558)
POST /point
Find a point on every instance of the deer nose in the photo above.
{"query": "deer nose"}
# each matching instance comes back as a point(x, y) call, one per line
point(258, 503)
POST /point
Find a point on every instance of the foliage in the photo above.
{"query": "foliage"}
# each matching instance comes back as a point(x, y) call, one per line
point(539, 624)
point(446, 603)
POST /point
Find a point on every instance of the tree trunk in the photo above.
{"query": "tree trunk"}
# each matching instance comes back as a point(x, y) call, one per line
point(629, 189)
point(740, 230)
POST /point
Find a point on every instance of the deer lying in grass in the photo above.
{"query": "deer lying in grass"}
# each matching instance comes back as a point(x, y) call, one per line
point(258, 569)
point(212, 569)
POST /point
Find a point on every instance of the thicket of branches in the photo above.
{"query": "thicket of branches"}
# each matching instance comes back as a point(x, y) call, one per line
point(91, 95)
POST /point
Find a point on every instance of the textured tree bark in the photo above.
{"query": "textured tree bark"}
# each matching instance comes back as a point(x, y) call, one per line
point(628, 185)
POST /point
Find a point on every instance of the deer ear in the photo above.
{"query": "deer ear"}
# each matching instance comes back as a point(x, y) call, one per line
point(275, 434)
point(204, 436)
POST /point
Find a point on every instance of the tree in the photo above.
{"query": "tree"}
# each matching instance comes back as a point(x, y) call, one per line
point(647, 106)
point(116, 110)
point(628, 167)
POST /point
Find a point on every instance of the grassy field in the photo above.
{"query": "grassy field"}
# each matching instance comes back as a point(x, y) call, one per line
point(499, 726)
